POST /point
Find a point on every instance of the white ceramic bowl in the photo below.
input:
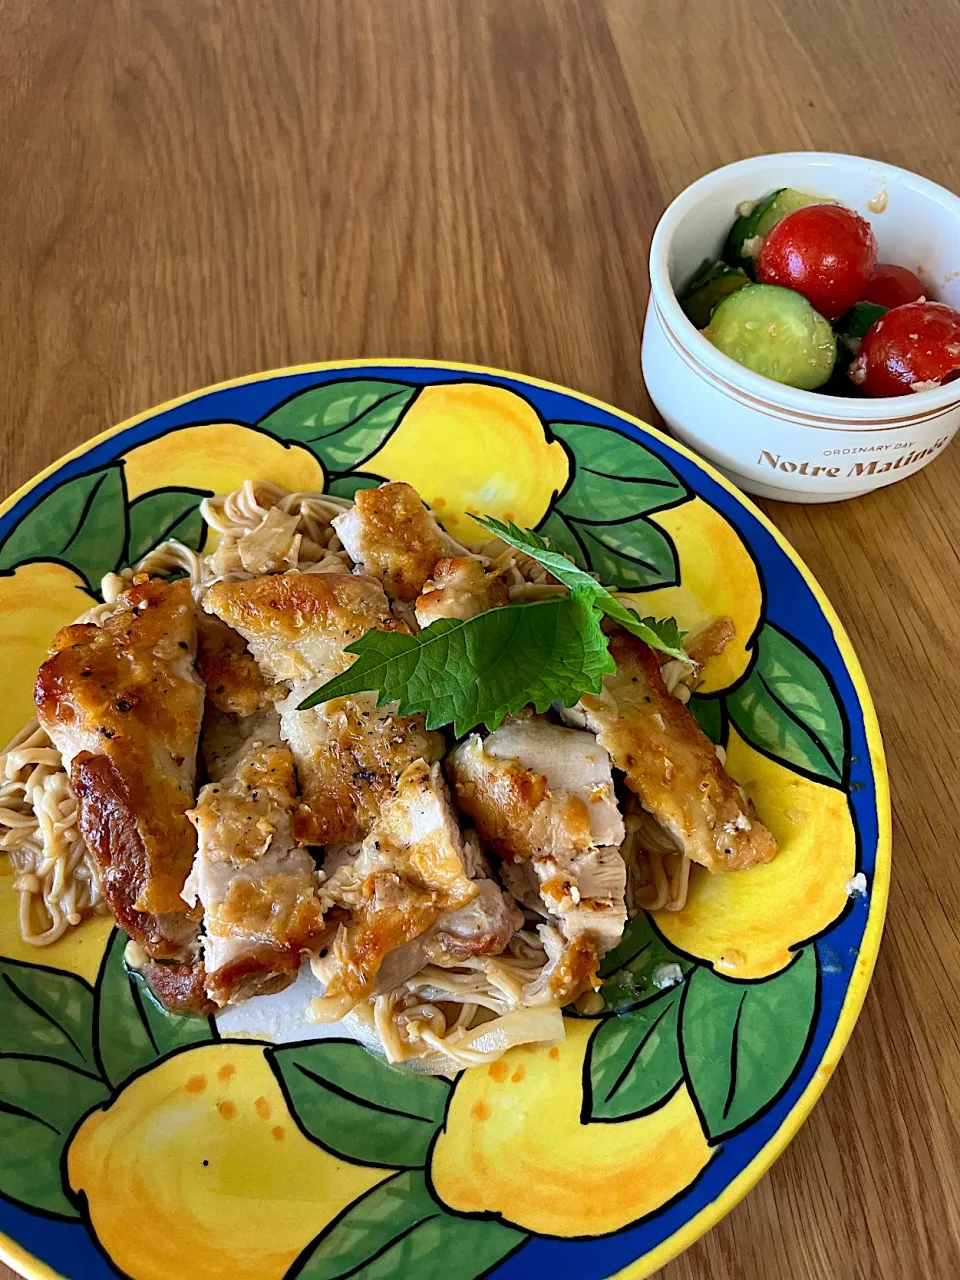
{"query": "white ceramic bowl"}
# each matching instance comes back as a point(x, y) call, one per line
point(776, 441)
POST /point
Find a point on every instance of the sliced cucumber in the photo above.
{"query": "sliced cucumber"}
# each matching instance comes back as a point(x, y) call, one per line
point(713, 281)
point(775, 332)
point(753, 223)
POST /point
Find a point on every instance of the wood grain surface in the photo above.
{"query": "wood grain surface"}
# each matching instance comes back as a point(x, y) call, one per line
point(191, 190)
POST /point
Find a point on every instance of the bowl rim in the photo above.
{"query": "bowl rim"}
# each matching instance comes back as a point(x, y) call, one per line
point(804, 408)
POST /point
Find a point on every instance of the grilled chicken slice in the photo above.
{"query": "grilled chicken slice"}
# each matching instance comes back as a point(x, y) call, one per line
point(123, 705)
point(349, 754)
point(515, 812)
point(410, 870)
point(543, 797)
point(535, 789)
point(229, 670)
point(392, 536)
point(584, 894)
point(258, 891)
point(670, 764)
point(588, 895)
point(297, 624)
point(573, 764)
point(522, 882)
point(459, 588)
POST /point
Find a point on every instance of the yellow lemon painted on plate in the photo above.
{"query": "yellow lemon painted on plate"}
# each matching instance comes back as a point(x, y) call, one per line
point(471, 448)
point(513, 1144)
point(717, 579)
point(36, 600)
point(745, 922)
point(197, 1169)
point(219, 457)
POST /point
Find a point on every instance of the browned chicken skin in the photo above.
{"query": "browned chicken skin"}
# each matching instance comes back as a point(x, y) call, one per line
point(459, 588)
point(297, 624)
point(392, 535)
point(350, 754)
point(513, 807)
point(180, 987)
point(670, 763)
point(229, 670)
point(122, 704)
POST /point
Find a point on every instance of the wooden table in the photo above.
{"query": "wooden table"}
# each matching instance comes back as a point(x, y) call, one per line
point(195, 189)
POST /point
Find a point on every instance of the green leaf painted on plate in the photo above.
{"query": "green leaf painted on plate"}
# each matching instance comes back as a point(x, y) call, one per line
point(40, 1104)
point(632, 555)
point(639, 966)
point(787, 709)
point(601, 518)
point(358, 1107)
point(560, 533)
point(633, 1061)
point(343, 422)
point(399, 1230)
point(708, 713)
point(615, 478)
point(662, 633)
point(82, 522)
point(163, 514)
point(743, 1041)
point(133, 1030)
point(46, 1013)
point(347, 486)
point(480, 670)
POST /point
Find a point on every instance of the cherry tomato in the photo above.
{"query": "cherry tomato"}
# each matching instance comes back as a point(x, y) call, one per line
point(825, 252)
point(916, 346)
point(892, 286)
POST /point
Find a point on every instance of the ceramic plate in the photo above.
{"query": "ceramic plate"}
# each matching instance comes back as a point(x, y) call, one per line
point(139, 1143)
